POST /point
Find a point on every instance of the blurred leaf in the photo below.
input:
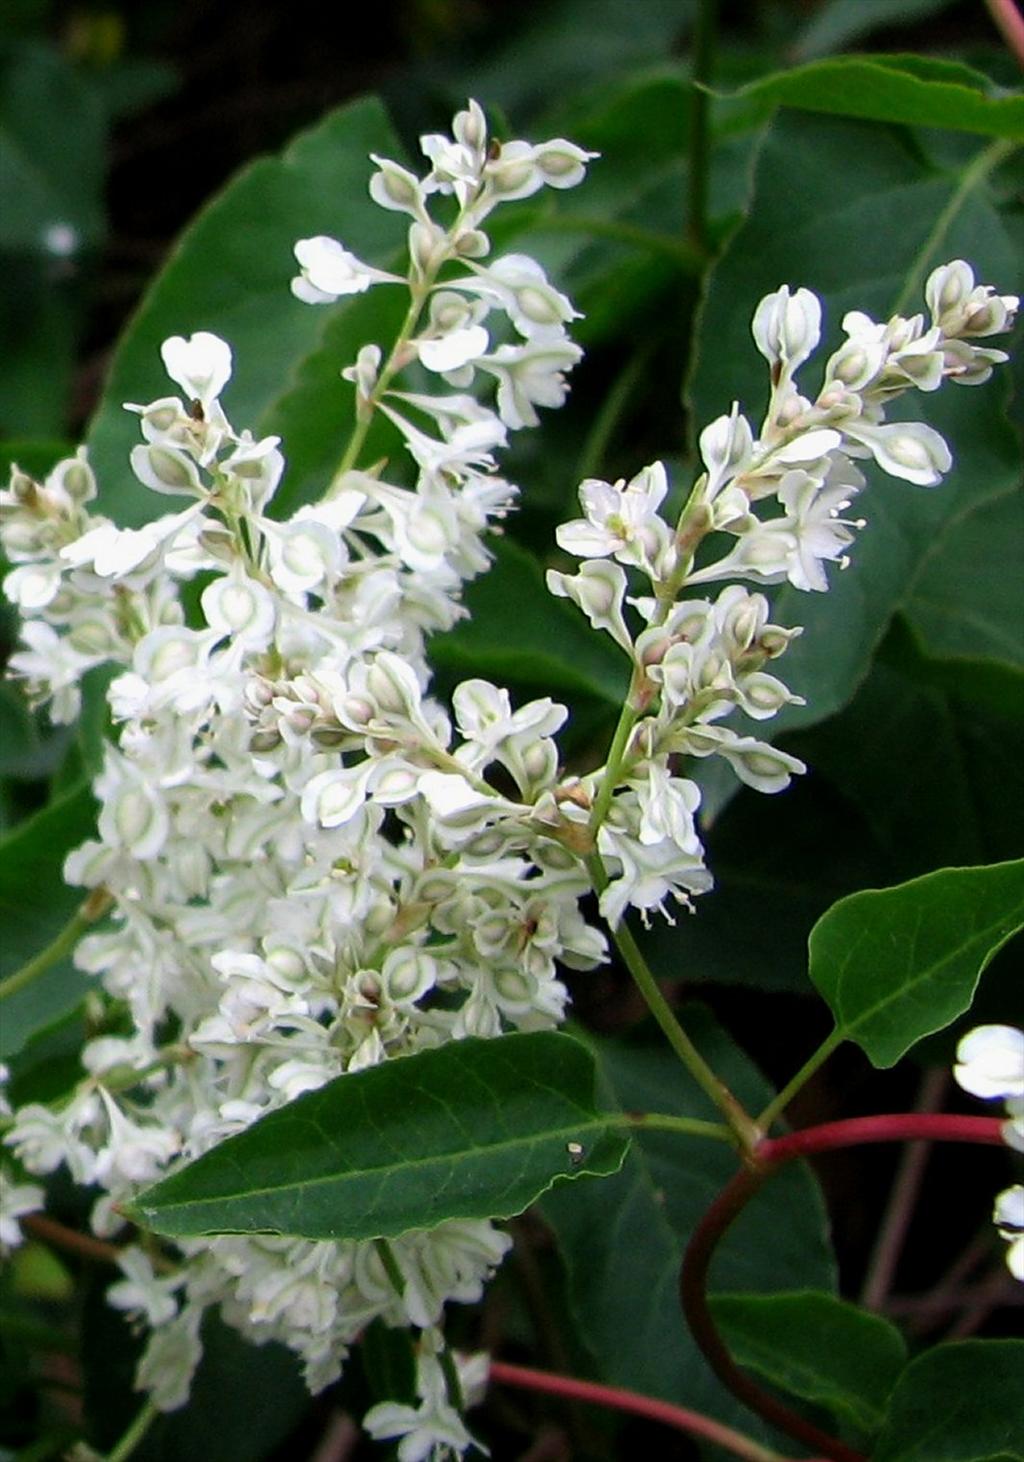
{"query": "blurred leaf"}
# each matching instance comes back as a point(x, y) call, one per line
point(52, 163)
point(960, 1402)
point(914, 91)
point(131, 84)
point(566, 43)
point(966, 606)
point(38, 1274)
point(518, 632)
point(857, 246)
point(244, 1401)
point(896, 964)
point(817, 1347)
point(52, 140)
point(766, 855)
point(229, 274)
point(622, 1240)
point(474, 1129)
point(838, 22)
point(35, 904)
point(940, 783)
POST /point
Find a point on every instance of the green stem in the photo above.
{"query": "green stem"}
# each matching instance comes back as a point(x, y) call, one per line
point(973, 175)
point(134, 1435)
point(95, 906)
point(389, 370)
point(740, 1123)
point(628, 718)
point(386, 1255)
point(452, 1383)
point(704, 36)
point(778, 1104)
point(685, 1126)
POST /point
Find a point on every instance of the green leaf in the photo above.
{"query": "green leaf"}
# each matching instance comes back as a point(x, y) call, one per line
point(569, 42)
point(52, 164)
point(967, 604)
point(35, 904)
point(897, 89)
point(816, 1347)
point(896, 964)
point(518, 632)
point(862, 246)
point(474, 1129)
point(229, 274)
point(837, 23)
point(961, 1402)
point(940, 782)
point(622, 1240)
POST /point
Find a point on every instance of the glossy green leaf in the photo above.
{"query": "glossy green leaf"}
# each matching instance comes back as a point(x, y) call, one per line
point(897, 89)
point(473, 1129)
point(518, 632)
point(861, 246)
point(896, 964)
point(622, 1240)
point(962, 1402)
point(817, 1347)
point(35, 904)
point(230, 274)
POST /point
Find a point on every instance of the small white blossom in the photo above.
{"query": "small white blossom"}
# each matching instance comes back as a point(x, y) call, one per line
point(330, 271)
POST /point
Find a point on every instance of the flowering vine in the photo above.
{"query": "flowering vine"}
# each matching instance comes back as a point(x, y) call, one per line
point(312, 865)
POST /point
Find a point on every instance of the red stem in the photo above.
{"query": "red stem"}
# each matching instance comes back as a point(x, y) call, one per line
point(771, 1154)
point(858, 1131)
point(1010, 24)
point(570, 1389)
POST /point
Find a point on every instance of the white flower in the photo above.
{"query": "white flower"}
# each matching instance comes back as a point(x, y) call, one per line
point(200, 365)
point(530, 375)
point(787, 327)
point(990, 1062)
point(142, 1292)
point(599, 589)
point(621, 520)
point(907, 449)
point(16, 1200)
point(170, 1359)
point(1008, 1217)
point(241, 608)
point(330, 271)
point(431, 1430)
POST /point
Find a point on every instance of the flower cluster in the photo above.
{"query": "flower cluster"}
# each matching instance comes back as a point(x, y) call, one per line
point(286, 906)
point(312, 864)
point(990, 1065)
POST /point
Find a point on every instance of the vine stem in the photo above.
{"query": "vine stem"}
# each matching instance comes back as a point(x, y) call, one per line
point(771, 1154)
point(692, 1422)
point(1010, 24)
point(743, 1126)
point(94, 907)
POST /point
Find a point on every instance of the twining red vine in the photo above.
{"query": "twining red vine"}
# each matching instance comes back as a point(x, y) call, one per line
point(769, 1155)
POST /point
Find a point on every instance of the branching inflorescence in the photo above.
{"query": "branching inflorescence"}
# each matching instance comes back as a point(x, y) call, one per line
point(313, 865)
